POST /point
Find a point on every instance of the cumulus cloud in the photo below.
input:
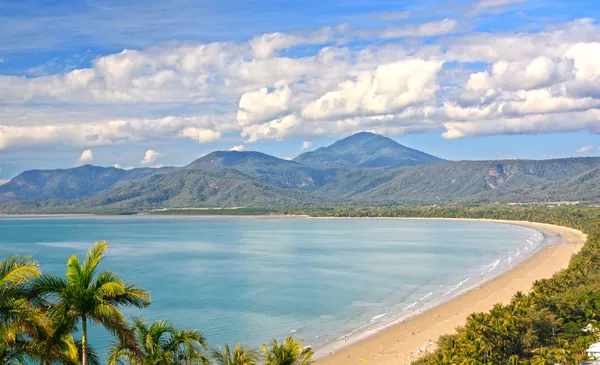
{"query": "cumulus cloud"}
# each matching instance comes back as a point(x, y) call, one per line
point(264, 104)
point(305, 145)
point(201, 129)
point(85, 157)
point(150, 157)
point(585, 149)
point(473, 84)
point(388, 89)
point(201, 135)
point(238, 148)
point(277, 129)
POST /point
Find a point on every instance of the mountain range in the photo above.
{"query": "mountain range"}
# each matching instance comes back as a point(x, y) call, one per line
point(363, 169)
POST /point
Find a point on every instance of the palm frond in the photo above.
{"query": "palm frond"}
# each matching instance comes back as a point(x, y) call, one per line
point(75, 274)
point(94, 256)
point(17, 270)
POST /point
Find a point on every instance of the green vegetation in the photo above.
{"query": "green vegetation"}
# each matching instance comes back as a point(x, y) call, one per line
point(161, 343)
point(365, 149)
point(85, 297)
point(39, 313)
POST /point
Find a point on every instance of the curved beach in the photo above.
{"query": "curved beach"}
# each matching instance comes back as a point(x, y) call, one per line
point(398, 344)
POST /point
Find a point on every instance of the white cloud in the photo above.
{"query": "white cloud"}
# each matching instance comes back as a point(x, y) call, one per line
point(492, 5)
point(238, 148)
point(262, 105)
point(276, 129)
point(85, 157)
point(306, 145)
point(127, 168)
point(472, 84)
point(2, 182)
point(431, 29)
point(201, 135)
point(585, 149)
point(388, 89)
point(202, 129)
point(150, 157)
point(2, 60)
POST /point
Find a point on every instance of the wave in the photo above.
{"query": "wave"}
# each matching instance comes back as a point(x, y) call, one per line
point(410, 305)
point(378, 317)
point(456, 286)
point(79, 245)
point(427, 296)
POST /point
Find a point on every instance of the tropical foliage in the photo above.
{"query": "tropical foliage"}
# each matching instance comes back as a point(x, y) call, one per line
point(238, 356)
point(161, 343)
point(290, 352)
point(84, 296)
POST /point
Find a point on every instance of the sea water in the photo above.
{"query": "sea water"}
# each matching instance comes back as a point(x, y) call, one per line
point(250, 280)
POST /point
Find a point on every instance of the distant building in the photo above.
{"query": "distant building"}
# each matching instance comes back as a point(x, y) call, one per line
point(594, 350)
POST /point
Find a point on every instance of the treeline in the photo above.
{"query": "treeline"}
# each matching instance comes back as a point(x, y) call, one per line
point(40, 313)
point(553, 324)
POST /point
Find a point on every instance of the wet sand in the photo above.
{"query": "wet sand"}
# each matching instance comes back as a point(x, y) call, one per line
point(394, 345)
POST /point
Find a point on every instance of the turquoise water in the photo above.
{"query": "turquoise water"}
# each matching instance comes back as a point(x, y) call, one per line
point(253, 279)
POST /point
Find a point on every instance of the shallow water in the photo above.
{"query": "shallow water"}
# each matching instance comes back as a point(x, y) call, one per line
point(253, 279)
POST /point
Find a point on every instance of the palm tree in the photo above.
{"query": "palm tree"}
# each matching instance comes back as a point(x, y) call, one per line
point(19, 320)
point(290, 352)
point(161, 343)
point(239, 356)
point(84, 296)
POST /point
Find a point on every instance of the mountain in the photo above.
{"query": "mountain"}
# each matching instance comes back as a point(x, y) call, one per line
point(263, 168)
point(254, 179)
point(365, 149)
point(491, 181)
point(72, 183)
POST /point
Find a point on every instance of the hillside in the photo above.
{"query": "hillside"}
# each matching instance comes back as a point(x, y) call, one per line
point(263, 168)
point(254, 179)
point(365, 149)
point(72, 183)
point(491, 181)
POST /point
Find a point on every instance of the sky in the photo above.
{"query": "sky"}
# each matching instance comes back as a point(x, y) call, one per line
point(146, 83)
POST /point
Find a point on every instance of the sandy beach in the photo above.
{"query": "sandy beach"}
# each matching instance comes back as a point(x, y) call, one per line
point(394, 344)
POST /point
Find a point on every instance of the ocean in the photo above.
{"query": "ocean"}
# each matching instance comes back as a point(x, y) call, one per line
point(249, 280)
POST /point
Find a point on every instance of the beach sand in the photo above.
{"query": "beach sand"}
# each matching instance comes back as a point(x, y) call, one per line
point(393, 344)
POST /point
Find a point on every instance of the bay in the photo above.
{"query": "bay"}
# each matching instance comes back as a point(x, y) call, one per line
point(250, 280)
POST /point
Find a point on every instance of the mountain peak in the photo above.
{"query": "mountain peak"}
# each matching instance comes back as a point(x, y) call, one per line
point(365, 149)
point(235, 158)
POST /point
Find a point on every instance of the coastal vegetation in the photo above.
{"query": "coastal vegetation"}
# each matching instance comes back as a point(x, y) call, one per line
point(43, 316)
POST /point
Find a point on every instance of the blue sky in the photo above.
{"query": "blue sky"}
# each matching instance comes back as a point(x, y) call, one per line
point(162, 83)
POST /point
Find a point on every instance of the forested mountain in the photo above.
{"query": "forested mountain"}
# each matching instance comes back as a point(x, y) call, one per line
point(254, 179)
point(72, 183)
point(365, 149)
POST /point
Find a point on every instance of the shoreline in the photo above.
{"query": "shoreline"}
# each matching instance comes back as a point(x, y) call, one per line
point(393, 343)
